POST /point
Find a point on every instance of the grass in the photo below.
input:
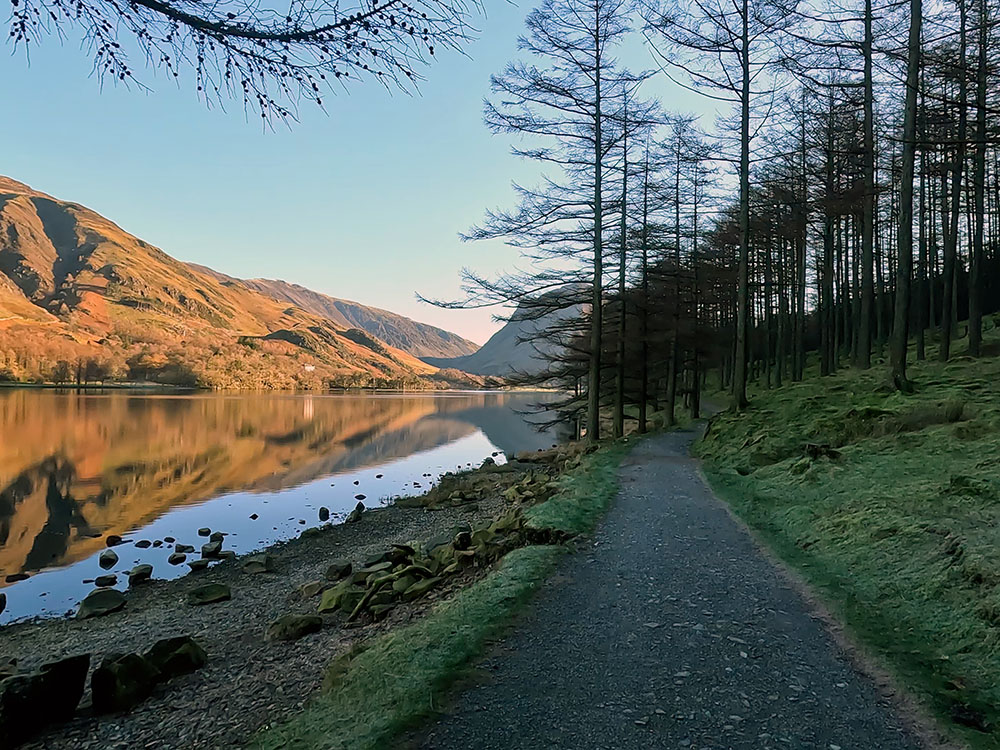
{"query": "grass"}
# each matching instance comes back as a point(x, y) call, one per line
point(889, 504)
point(399, 678)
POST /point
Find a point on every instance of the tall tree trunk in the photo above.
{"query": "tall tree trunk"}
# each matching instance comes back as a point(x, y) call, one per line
point(619, 419)
point(644, 312)
point(743, 281)
point(597, 293)
point(904, 261)
point(976, 256)
point(863, 358)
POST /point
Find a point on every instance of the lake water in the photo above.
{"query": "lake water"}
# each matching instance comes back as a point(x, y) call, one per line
point(78, 467)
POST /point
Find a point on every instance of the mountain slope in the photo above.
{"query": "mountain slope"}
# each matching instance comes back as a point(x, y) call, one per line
point(418, 339)
point(80, 297)
point(515, 348)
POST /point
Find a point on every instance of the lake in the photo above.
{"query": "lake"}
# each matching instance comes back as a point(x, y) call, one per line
point(78, 467)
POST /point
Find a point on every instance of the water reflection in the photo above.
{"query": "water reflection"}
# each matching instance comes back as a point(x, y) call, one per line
point(77, 467)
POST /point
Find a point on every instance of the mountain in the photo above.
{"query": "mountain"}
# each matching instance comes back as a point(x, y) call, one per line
point(515, 348)
point(419, 339)
point(81, 299)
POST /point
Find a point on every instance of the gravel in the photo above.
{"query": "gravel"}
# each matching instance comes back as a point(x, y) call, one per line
point(670, 630)
point(249, 682)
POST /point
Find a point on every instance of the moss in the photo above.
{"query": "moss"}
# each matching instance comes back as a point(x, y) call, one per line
point(899, 530)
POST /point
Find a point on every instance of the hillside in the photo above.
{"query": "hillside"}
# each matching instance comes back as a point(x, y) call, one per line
point(81, 299)
point(418, 339)
point(515, 348)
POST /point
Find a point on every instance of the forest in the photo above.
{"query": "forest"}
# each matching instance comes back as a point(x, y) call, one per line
point(843, 204)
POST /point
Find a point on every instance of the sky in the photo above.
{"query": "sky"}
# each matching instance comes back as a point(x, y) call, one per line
point(363, 201)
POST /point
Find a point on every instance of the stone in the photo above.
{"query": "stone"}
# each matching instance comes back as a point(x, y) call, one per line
point(176, 656)
point(176, 558)
point(183, 548)
point(113, 540)
point(15, 577)
point(355, 515)
point(291, 627)
point(439, 540)
point(30, 702)
point(143, 544)
point(140, 574)
point(100, 602)
point(108, 559)
point(197, 565)
point(344, 597)
point(3, 603)
point(360, 497)
point(122, 682)
point(209, 594)
point(211, 550)
point(227, 554)
point(262, 563)
point(106, 580)
point(420, 588)
point(204, 531)
point(324, 514)
point(217, 536)
point(402, 583)
point(338, 570)
point(169, 539)
point(310, 589)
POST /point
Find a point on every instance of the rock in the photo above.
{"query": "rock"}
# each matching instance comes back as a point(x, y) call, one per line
point(355, 515)
point(338, 570)
point(113, 540)
point(143, 544)
point(183, 548)
point(310, 589)
point(15, 577)
point(176, 558)
point(262, 563)
point(204, 531)
point(169, 539)
point(420, 588)
point(360, 497)
point(324, 514)
point(173, 657)
point(100, 602)
point(291, 627)
point(211, 550)
point(254, 516)
point(106, 580)
point(401, 584)
point(439, 540)
point(157, 543)
point(344, 597)
point(209, 594)
point(30, 702)
point(108, 559)
point(227, 554)
point(197, 565)
point(217, 536)
point(140, 574)
point(121, 682)
point(3, 603)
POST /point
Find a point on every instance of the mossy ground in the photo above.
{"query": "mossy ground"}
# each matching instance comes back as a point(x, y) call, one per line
point(900, 531)
point(400, 677)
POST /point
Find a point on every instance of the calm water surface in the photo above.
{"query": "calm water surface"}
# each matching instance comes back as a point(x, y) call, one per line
point(75, 468)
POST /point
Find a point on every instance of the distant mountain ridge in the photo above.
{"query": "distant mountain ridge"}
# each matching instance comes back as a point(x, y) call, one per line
point(82, 300)
point(419, 339)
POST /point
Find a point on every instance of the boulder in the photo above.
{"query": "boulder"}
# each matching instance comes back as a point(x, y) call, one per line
point(344, 597)
point(197, 565)
point(204, 531)
point(108, 559)
point(100, 602)
point(217, 536)
point(291, 627)
point(176, 558)
point(420, 588)
point(121, 682)
point(143, 544)
point(355, 515)
point(3, 603)
point(211, 550)
point(209, 594)
point(113, 540)
point(173, 657)
point(30, 702)
point(324, 514)
point(140, 574)
point(310, 589)
point(339, 569)
point(183, 548)
point(262, 563)
point(106, 580)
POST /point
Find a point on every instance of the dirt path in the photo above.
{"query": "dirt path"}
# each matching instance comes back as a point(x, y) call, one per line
point(670, 630)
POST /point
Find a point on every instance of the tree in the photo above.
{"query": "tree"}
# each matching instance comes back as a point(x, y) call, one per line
point(237, 49)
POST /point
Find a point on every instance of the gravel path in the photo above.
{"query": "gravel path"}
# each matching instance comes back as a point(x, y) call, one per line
point(670, 630)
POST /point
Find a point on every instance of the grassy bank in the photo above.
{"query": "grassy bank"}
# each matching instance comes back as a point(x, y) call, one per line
point(399, 678)
point(890, 505)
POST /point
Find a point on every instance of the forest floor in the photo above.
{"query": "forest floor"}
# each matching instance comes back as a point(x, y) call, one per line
point(671, 628)
point(889, 506)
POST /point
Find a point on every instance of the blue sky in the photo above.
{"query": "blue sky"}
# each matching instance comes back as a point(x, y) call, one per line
point(363, 202)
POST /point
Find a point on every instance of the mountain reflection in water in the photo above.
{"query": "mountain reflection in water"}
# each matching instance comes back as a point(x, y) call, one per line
point(76, 467)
